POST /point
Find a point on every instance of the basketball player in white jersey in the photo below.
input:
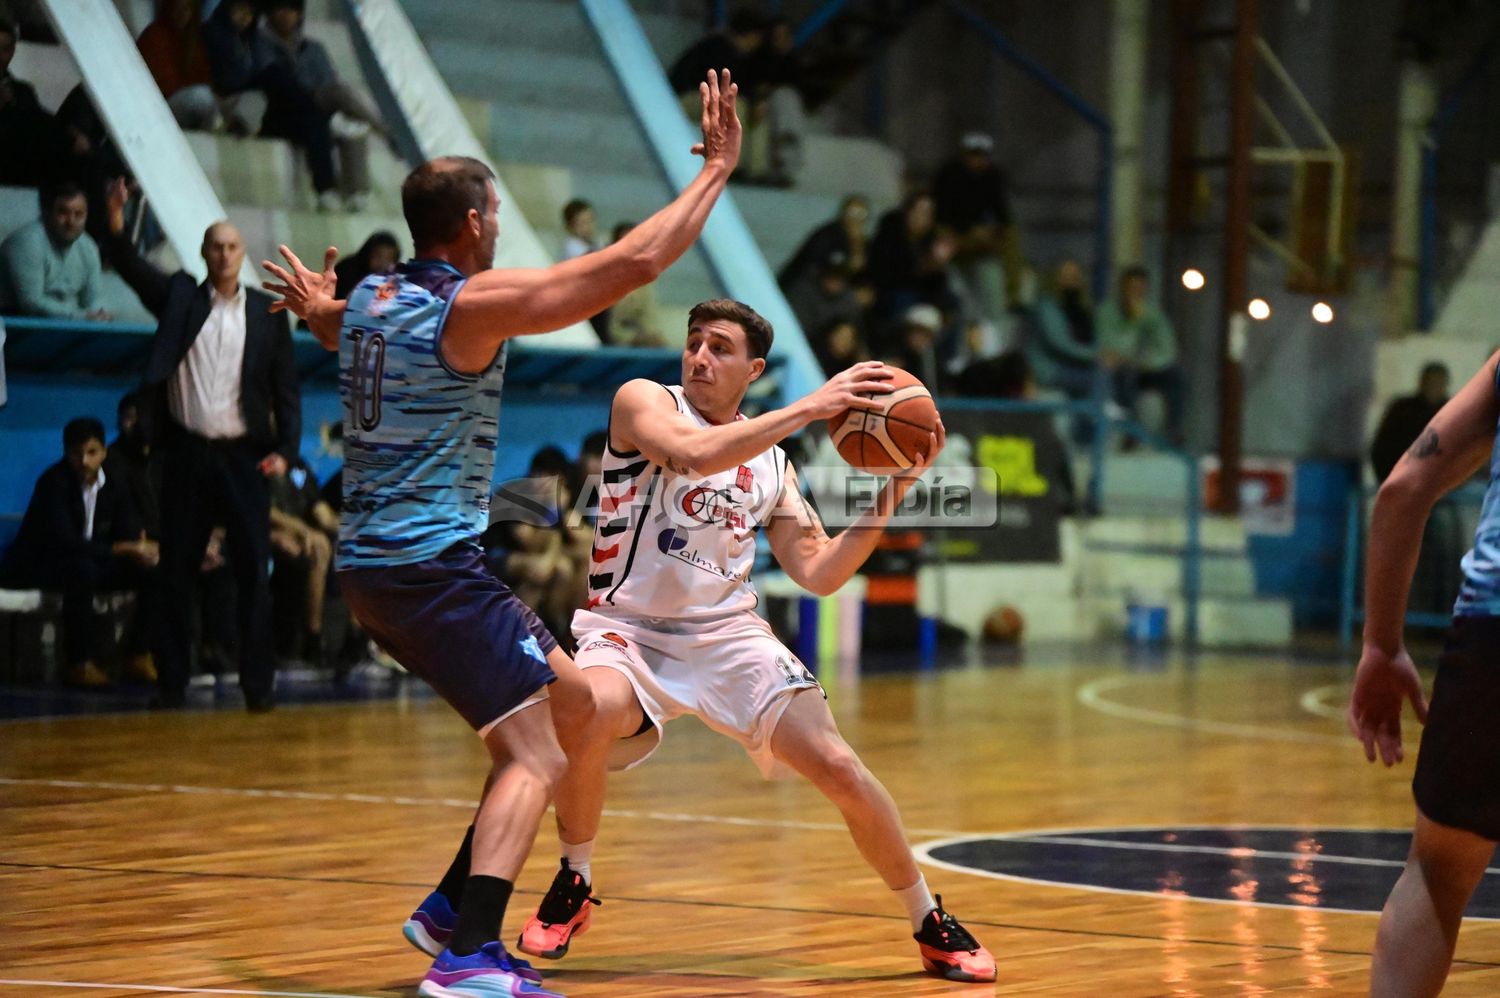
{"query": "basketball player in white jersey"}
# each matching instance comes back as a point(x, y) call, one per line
point(671, 629)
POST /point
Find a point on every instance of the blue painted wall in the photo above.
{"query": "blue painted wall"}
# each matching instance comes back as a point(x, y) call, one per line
point(1305, 566)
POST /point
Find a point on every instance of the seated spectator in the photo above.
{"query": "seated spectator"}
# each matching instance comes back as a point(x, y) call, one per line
point(379, 255)
point(843, 241)
point(914, 347)
point(241, 71)
point(32, 142)
point(1406, 417)
point(579, 223)
point(1060, 334)
point(973, 204)
point(80, 536)
point(1137, 344)
point(129, 465)
point(173, 49)
point(909, 261)
point(779, 71)
point(739, 50)
point(320, 112)
point(528, 543)
point(50, 267)
point(634, 320)
point(92, 160)
point(301, 548)
point(839, 346)
point(830, 298)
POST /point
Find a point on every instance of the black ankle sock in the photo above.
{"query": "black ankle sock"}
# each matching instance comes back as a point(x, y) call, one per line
point(479, 920)
point(452, 885)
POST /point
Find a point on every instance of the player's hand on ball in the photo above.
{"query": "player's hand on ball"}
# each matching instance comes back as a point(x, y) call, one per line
point(850, 389)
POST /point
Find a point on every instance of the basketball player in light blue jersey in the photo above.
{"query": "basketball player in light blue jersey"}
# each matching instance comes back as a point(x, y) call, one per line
point(422, 358)
point(1457, 782)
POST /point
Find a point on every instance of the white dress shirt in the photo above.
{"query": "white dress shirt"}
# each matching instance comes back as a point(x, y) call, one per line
point(90, 500)
point(204, 393)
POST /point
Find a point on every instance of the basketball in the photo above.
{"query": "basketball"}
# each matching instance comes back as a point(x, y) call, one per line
point(1004, 626)
point(888, 439)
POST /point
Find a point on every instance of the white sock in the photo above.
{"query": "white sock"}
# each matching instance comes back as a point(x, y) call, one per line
point(578, 855)
point(918, 901)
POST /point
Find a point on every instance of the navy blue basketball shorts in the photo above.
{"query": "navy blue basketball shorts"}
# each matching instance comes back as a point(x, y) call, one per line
point(451, 623)
point(1457, 781)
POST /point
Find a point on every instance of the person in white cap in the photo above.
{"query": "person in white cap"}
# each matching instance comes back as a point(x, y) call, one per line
point(973, 203)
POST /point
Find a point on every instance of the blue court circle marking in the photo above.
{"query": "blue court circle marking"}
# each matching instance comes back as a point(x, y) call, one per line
point(1323, 869)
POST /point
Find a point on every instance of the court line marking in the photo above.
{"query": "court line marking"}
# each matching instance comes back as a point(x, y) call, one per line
point(923, 853)
point(178, 991)
point(680, 817)
point(1091, 695)
point(1313, 701)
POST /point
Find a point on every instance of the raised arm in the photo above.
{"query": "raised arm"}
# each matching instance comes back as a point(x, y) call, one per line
point(1454, 445)
point(498, 304)
point(819, 563)
point(645, 418)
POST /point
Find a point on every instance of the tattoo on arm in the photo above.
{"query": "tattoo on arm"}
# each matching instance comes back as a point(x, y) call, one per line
point(1427, 445)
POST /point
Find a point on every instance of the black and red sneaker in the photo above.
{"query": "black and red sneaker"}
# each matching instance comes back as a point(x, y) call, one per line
point(949, 951)
point(563, 914)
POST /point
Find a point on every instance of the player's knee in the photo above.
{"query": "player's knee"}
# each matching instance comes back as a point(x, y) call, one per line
point(575, 711)
point(842, 774)
point(547, 767)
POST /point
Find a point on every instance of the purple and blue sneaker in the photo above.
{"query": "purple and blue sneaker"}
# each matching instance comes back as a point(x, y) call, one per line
point(490, 972)
point(431, 925)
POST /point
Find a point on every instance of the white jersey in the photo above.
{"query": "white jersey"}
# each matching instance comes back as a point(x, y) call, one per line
point(677, 546)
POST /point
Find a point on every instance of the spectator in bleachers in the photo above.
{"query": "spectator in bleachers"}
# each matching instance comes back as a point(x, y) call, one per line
point(634, 320)
point(909, 263)
point(130, 463)
point(173, 49)
point(737, 49)
point(580, 224)
point(80, 536)
point(527, 542)
point(914, 347)
point(302, 553)
point(50, 267)
point(1138, 345)
point(1406, 417)
point(841, 240)
point(239, 64)
point(233, 417)
point(972, 198)
point(379, 255)
point(828, 299)
point(1060, 334)
point(838, 346)
point(92, 159)
point(32, 141)
point(321, 108)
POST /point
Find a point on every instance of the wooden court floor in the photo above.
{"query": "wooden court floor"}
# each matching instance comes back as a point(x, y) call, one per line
point(223, 853)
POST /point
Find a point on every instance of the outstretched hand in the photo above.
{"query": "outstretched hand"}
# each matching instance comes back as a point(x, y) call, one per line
point(1381, 685)
point(300, 289)
point(721, 125)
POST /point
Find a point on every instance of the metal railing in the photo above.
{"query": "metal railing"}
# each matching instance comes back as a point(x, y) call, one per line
point(1102, 425)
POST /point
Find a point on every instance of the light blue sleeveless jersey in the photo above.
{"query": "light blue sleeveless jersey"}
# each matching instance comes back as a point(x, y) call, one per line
point(1480, 594)
point(419, 438)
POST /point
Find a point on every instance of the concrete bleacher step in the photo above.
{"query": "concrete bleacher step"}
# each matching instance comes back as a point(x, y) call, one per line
point(1223, 622)
point(1219, 535)
point(528, 76)
point(1123, 573)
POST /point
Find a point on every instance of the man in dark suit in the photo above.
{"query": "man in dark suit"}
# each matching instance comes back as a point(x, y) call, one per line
point(229, 415)
point(80, 536)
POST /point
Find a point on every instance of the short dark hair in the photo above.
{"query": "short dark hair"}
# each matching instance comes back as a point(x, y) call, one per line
point(81, 430)
point(130, 400)
point(8, 28)
point(1133, 272)
point(574, 208)
point(50, 194)
point(594, 443)
point(1434, 367)
point(550, 460)
point(436, 198)
point(758, 332)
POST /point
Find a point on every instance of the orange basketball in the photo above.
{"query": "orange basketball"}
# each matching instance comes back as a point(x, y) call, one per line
point(1004, 626)
point(888, 439)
